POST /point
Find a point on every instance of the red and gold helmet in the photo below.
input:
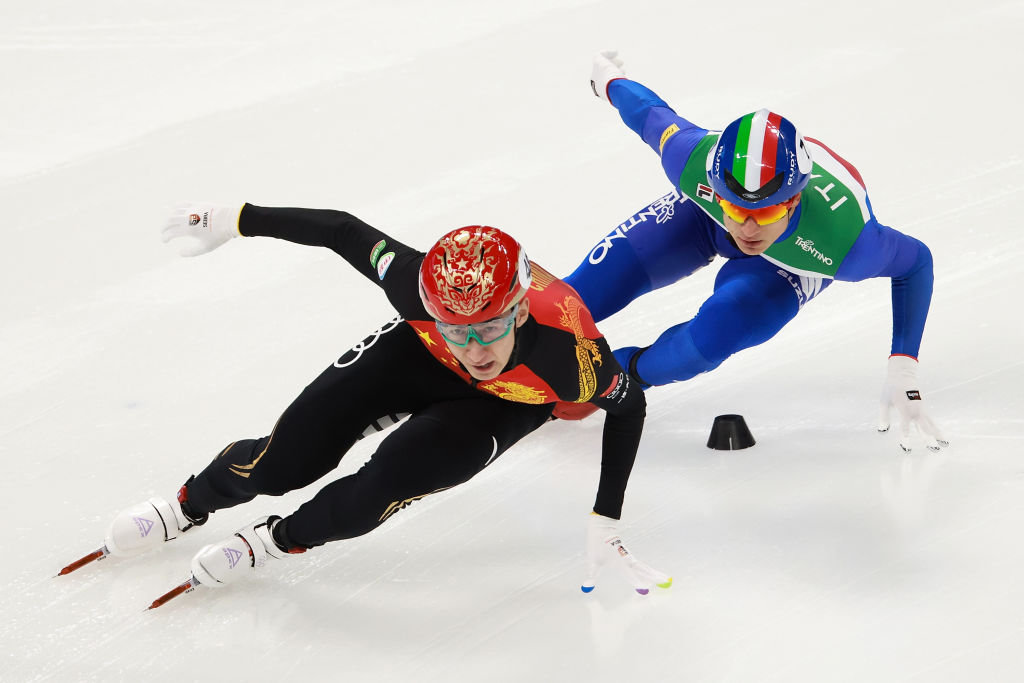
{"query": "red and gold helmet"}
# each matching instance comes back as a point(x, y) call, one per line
point(473, 274)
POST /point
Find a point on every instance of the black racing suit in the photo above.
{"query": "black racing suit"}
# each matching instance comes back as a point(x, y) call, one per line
point(456, 426)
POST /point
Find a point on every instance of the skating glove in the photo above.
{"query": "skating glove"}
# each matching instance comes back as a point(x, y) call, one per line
point(210, 225)
point(604, 546)
point(901, 392)
point(607, 67)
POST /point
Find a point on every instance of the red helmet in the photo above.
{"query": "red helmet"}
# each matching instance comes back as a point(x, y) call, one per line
point(473, 274)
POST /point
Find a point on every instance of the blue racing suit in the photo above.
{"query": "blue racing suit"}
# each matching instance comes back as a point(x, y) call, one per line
point(832, 235)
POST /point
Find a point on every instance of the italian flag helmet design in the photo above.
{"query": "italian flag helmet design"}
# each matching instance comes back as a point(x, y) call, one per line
point(760, 160)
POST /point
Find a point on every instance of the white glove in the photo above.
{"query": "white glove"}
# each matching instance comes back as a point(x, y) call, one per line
point(901, 392)
point(607, 67)
point(604, 546)
point(211, 225)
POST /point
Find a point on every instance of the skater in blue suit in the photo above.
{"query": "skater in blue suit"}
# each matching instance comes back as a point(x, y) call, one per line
point(788, 213)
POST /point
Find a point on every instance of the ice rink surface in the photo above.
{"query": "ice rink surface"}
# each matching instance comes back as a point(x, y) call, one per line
point(824, 553)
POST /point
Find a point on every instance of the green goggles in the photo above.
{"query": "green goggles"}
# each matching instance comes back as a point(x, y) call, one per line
point(485, 333)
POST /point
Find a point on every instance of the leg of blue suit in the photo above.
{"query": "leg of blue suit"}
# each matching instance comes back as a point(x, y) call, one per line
point(753, 299)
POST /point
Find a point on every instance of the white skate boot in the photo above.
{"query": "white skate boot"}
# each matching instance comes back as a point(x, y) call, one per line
point(146, 525)
point(142, 527)
point(238, 556)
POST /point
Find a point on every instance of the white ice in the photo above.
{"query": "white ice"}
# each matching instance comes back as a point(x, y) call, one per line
point(824, 553)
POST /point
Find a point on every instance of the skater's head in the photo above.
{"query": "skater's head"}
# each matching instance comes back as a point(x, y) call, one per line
point(760, 160)
point(473, 282)
point(757, 170)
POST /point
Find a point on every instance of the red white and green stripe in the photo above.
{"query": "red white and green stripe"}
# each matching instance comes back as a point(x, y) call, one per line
point(757, 147)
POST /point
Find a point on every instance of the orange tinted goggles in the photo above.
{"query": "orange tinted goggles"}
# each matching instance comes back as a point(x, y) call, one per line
point(762, 216)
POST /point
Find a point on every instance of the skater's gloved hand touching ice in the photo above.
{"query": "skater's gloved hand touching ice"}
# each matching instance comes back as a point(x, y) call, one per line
point(605, 546)
point(902, 393)
point(209, 226)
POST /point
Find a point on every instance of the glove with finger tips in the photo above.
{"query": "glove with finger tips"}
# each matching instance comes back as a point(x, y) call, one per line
point(900, 392)
point(606, 68)
point(209, 226)
point(604, 546)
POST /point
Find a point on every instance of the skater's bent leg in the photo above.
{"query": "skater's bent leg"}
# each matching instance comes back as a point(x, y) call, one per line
point(438, 448)
point(320, 425)
point(224, 483)
point(752, 301)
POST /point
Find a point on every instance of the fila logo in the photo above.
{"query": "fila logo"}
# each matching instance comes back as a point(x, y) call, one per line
point(233, 557)
point(913, 395)
point(145, 525)
point(193, 219)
